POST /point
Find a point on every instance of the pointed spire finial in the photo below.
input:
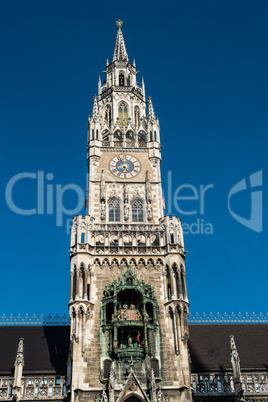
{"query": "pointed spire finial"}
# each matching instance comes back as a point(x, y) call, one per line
point(151, 114)
point(20, 353)
point(119, 24)
point(236, 366)
point(95, 110)
point(120, 52)
point(143, 87)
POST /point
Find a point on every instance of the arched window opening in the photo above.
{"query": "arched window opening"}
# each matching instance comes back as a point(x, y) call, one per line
point(155, 135)
point(137, 117)
point(114, 211)
point(122, 115)
point(137, 211)
point(121, 80)
point(99, 240)
point(149, 309)
point(169, 293)
point(182, 281)
point(106, 368)
point(155, 367)
point(132, 398)
point(108, 116)
point(129, 136)
point(83, 284)
point(74, 283)
point(93, 135)
point(173, 330)
point(97, 134)
point(155, 240)
point(142, 136)
point(109, 312)
point(118, 136)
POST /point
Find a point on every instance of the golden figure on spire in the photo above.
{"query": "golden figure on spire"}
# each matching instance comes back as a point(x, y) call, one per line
point(119, 24)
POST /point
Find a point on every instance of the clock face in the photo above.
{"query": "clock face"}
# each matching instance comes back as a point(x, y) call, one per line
point(125, 166)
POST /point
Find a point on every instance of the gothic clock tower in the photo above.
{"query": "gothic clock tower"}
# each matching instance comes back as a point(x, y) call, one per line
point(128, 299)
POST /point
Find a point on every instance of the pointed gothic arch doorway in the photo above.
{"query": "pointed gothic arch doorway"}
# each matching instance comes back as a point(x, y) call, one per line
point(132, 398)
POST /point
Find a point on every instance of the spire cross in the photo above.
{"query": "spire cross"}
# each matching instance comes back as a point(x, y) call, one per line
point(119, 24)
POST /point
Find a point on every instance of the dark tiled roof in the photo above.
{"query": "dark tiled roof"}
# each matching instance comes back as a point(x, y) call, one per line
point(210, 346)
point(45, 348)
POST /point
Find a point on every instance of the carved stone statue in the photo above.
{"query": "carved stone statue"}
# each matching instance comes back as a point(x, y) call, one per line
point(103, 210)
point(126, 211)
point(102, 187)
point(125, 193)
point(148, 190)
point(149, 212)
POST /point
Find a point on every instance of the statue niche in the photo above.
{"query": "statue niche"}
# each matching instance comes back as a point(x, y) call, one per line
point(129, 316)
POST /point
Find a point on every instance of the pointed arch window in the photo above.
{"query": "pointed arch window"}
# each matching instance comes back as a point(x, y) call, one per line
point(122, 115)
point(137, 211)
point(137, 117)
point(121, 80)
point(114, 211)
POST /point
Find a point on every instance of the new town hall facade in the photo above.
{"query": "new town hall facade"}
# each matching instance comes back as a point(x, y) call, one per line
point(129, 338)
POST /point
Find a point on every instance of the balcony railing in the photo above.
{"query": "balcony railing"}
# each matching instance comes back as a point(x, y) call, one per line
point(213, 383)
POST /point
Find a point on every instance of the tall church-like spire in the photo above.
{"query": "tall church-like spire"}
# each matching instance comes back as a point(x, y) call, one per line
point(120, 52)
point(127, 259)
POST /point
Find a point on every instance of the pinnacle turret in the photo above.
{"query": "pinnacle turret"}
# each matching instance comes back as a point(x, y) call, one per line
point(20, 353)
point(120, 53)
point(95, 110)
point(19, 363)
point(151, 113)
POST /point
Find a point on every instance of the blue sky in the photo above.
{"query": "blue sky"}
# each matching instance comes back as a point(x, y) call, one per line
point(205, 65)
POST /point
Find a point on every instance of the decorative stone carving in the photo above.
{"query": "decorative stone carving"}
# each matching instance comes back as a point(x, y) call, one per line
point(102, 187)
point(114, 190)
point(137, 189)
point(149, 212)
point(95, 160)
point(20, 357)
point(125, 193)
point(103, 210)
point(148, 191)
point(126, 211)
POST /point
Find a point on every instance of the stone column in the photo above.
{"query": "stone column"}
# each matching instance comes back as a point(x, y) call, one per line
point(235, 360)
point(173, 284)
point(77, 283)
point(80, 284)
point(134, 240)
point(71, 285)
point(148, 240)
point(180, 319)
point(85, 284)
point(184, 288)
point(120, 239)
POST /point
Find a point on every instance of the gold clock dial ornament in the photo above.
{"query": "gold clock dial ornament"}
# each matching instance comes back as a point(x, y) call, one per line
point(125, 166)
